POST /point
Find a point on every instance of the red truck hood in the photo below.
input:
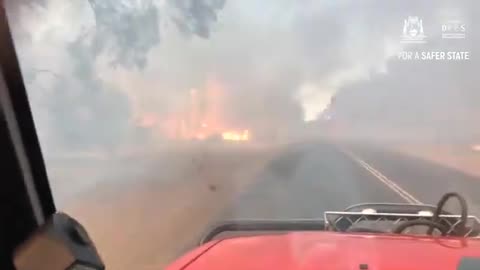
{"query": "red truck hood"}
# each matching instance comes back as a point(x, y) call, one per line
point(326, 250)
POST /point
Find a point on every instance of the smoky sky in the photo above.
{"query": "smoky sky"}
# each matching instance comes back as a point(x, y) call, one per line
point(418, 100)
point(109, 63)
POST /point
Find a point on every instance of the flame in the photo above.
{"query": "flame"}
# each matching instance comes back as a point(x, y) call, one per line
point(236, 136)
point(201, 114)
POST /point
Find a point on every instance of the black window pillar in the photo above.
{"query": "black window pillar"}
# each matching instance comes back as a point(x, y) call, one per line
point(25, 196)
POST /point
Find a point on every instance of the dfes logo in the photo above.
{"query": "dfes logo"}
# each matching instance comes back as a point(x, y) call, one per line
point(454, 29)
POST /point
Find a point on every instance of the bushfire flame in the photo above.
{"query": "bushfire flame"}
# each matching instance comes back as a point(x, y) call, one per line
point(202, 115)
point(236, 136)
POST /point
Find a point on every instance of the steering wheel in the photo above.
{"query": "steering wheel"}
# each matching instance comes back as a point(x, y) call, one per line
point(430, 224)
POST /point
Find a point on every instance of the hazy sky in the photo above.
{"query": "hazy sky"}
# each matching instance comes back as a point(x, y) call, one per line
point(94, 71)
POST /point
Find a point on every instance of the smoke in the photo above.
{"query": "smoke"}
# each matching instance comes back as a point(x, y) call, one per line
point(127, 30)
point(195, 16)
point(419, 100)
point(75, 107)
point(113, 65)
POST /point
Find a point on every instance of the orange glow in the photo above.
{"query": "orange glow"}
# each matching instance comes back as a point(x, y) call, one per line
point(236, 136)
point(202, 114)
point(200, 136)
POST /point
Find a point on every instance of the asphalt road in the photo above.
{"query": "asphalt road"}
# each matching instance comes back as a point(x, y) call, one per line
point(307, 179)
point(426, 181)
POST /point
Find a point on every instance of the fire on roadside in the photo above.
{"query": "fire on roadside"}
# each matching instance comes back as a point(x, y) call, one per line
point(236, 136)
point(200, 115)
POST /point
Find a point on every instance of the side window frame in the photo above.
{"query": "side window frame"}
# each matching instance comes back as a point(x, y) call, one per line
point(25, 196)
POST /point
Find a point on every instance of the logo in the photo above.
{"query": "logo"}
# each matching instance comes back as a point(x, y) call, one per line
point(454, 29)
point(413, 30)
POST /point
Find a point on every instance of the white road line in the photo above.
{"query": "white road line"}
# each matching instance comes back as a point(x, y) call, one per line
point(388, 182)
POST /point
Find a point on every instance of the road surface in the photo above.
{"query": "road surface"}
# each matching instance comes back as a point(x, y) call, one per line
point(146, 224)
point(308, 179)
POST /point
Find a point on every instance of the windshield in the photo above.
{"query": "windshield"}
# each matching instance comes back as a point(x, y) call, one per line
point(160, 118)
